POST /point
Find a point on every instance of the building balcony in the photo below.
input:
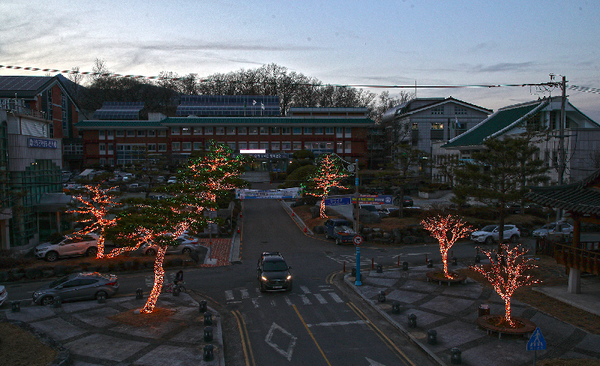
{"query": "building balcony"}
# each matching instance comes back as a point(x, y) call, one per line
point(581, 259)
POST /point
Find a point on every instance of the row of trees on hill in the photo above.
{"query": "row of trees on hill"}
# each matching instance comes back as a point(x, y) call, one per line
point(293, 88)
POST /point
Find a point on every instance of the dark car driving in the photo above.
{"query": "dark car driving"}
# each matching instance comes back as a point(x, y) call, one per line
point(273, 272)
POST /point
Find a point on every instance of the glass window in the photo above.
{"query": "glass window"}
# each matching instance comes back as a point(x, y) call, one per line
point(120, 133)
point(186, 130)
point(151, 133)
point(162, 147)
point(176, 146)
point(254, 130)
point(339, 147)
point(175, 130)
point(243, 145)
point(286, 146)
point(308, 130)
point(220, 130)
point(253, 145)
point(231, 130)
point(102, 147)
point(348, 146)
point(101, 134)
point(297, 130)
point(197, 130)
point(339, 131)
point(274, 130)
point(231, 145)
point(348, 132)
point(197, 146)
point(329, 130)
point(264, 146)
point(297, 145)
point(151, 147)
point(161, 133)
point(242, 131)
point(110, 134)
point(437, 126)
point(438, 110)
point(275, 146)
point(186, 146)
point(141, 133)
point(264, 130)
point(318, 130)
point(286, 130)
point(130, 133)
point(460, 110)
point(208, 130)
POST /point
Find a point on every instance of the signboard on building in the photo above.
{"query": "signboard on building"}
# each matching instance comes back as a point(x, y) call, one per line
point(43, 143)
point(287, 193)
point(338, 201)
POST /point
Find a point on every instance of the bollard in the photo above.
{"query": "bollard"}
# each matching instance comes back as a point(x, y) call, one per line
point(208, 352)
point(405, 266)
point(396, 307)
point(454, 261)
point(203, 306)
point(381, 297)
point(455, 358)
point(15, 306)
point(426, 258)
point(139, 293)
point(353, 272)
point(379, 268)
point(176, 290)
point(208, 318)
point(372, 263)
point(208, 334)
point(477, 258)
point(101, 299)
point(430, 263)
point(57, 302)
point(344, 270)
point(412, 321)
point(432, 336)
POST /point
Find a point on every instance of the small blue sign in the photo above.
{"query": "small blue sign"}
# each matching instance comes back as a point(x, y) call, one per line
point(337, 201)
point(537, 341)
point(43, 143)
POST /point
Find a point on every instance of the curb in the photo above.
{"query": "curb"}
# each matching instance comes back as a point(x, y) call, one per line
point(431, 355)
point(298, 220)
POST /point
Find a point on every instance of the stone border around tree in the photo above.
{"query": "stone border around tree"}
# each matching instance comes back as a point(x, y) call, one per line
point(431, 277)
point(527, 328)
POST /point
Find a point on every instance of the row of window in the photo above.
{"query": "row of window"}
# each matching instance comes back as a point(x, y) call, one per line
point(344, 147)
point(457, 110)
point(440, 126)
point(231, 130)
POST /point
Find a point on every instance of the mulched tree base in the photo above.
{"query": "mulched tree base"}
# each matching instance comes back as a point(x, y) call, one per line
point(440, 278)
point(496, 324)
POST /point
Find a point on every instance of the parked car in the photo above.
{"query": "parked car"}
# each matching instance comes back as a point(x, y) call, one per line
point(273, 272)
point(386, 211)
point(554, 228)
point(187, 244)
point(67, 246)
point(172, 180)
point(339, 230)
point(407, 201)
point(77, 286)
point(3, 294)
point(489, 234)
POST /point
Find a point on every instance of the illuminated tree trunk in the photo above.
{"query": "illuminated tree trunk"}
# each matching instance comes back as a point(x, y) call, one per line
point(507, 311)
point(100, 253)
point(447, 230)
point(159, 277)
point(444, 253)
point(322, 209)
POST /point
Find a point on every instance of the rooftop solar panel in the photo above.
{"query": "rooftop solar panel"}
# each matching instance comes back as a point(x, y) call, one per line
point(229, 105)
point(119, 110)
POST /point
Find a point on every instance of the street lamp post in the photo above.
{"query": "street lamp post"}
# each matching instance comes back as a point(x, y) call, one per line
point(356, 225)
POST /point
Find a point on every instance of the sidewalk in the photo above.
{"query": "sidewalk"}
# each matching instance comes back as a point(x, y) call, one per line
point(452, 310)
point(92, 337)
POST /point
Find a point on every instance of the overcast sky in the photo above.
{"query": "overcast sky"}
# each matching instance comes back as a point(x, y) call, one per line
point(374, 42)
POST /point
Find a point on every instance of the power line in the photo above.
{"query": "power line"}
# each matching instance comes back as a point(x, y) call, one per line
point(583, 89)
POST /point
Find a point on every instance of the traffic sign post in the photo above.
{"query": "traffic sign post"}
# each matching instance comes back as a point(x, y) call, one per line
point(357, 240)
point(536, 343)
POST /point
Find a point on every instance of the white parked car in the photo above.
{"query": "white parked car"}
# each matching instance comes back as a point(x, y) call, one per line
point(68, 247)
point(489, 234)
point(3, 294)
point(554, 228)
point(187, 244)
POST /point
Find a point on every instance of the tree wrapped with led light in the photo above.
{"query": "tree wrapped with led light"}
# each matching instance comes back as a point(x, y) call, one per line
point(330, 173)
point(447, 230)
point(507, 273)
point(94, 212)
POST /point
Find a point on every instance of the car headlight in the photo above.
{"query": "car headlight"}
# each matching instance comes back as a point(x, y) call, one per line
point(263, 278)
point(289, 277)
point(36, 294)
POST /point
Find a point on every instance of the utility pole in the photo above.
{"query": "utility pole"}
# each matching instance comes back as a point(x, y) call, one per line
point(561, 139)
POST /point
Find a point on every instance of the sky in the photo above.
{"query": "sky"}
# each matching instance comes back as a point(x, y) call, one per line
point(368, 42)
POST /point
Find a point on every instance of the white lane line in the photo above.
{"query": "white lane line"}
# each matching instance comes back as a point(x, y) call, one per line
point(228, 295)
point(330, 324)
point(288, 300)
point(273, 303)
point(321, 298)
point(305, 289)
point(336, 298)
point(245, 293)
point(255, 302)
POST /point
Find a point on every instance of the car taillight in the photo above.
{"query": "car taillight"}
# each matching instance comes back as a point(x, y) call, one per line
point(112, 283)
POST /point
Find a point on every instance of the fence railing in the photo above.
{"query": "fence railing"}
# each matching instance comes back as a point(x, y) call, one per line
point(581, 259)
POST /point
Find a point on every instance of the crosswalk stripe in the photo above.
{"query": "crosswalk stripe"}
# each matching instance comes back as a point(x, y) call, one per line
point(288, 301)
point(245, 293)
point(228, 295)
point(336, 298)
point(321, 298)
point(305, 300)
point(255, 302)
point(305, 289)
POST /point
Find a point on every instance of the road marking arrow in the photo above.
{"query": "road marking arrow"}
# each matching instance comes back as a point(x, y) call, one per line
point(373, 363)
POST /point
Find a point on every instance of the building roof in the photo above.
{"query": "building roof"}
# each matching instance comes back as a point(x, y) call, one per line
point(190, 121)
point(420, 104)
point(582, 197)
point(23, 86)
point(499, 122)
